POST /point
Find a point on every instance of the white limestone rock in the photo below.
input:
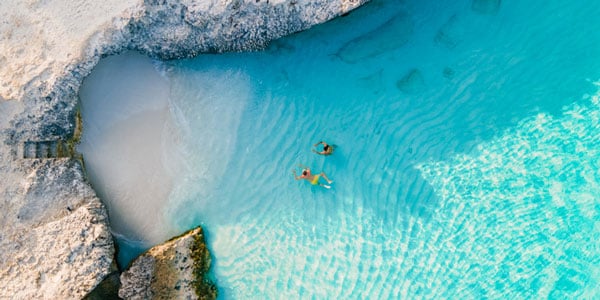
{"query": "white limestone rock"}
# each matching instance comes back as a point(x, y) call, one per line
point(41, 38)
point(173, 270)
point(55, 242)
point(45, 43)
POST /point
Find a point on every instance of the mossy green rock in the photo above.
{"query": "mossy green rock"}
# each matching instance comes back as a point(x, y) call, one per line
point(174, 270)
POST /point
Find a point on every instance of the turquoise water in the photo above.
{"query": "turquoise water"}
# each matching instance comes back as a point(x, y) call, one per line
point(467, 160)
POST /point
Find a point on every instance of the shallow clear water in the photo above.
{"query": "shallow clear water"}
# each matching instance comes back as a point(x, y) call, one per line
point(468, 139)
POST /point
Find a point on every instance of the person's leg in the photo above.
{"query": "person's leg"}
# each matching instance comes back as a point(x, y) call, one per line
point(326, 178)
point(324, 185)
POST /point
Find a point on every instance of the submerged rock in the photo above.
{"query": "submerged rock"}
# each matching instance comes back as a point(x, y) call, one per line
point(176, 269)
point(393, 34)
point(490, 7)
point(448, 72)
point(412, 82)
point(449, 34)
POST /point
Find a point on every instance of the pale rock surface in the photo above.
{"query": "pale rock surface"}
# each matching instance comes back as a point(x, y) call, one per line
point(44, 43)
point(173, 270)
point(55, 239)
point(41, 37)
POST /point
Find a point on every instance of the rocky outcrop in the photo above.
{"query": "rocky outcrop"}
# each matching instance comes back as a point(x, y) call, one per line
point(55, 238)
point(43, 60)
point(55, 241)
point(174, 270)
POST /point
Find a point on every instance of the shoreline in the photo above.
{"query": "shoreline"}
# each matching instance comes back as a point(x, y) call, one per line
point(56, 229)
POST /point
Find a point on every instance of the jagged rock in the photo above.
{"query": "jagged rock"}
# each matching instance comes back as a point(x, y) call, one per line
point(55, 238)
point(173, 270)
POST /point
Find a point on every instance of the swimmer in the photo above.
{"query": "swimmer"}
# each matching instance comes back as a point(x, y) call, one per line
point(313, 179)
point(327, 149)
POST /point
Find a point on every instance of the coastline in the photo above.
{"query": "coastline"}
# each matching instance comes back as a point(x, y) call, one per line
point(55, 229)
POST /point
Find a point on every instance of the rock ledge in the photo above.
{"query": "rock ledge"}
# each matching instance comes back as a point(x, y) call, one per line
point(174, 270)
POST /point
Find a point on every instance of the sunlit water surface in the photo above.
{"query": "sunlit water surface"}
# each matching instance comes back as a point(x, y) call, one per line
point(467, 159)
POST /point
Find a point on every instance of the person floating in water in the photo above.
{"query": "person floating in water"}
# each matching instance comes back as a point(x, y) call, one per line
point(313, 179)
point(327, 149)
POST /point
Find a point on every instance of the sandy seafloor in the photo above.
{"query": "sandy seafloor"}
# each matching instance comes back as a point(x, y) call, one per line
point(467, 159)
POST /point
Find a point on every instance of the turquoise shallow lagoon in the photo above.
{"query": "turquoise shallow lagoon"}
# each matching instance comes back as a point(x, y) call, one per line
point(467, 159)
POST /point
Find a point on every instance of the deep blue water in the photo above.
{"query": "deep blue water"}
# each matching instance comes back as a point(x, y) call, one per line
point(466, 166)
